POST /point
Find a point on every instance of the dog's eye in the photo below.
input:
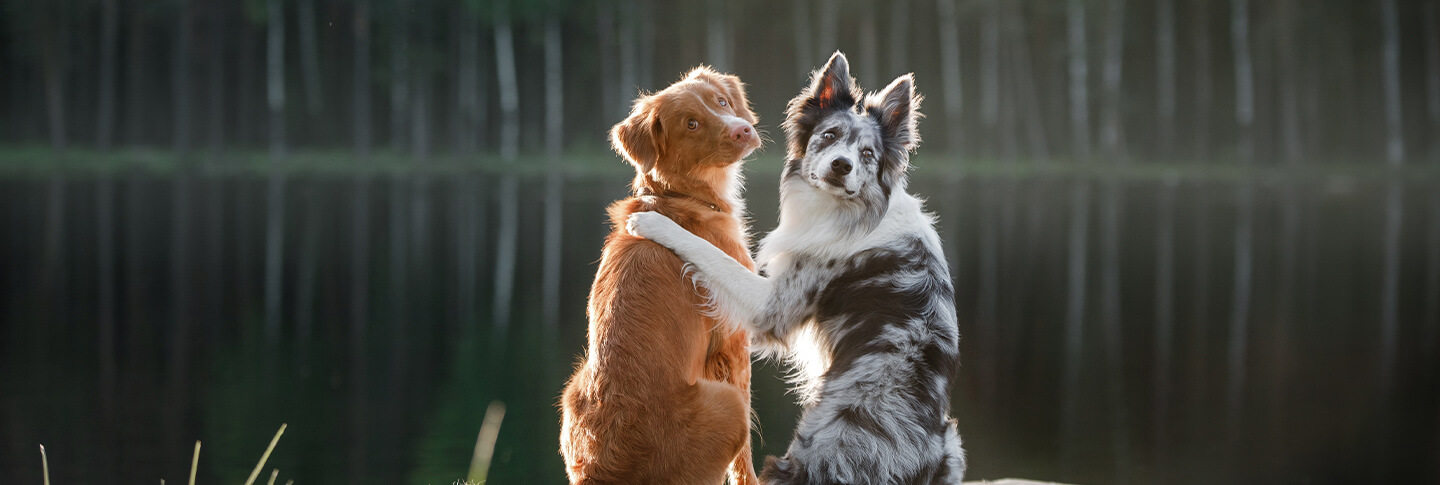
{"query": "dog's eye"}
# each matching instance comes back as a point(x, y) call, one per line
point(828, 136)
point(722, 102)
point(867, 153)
point(692, 125)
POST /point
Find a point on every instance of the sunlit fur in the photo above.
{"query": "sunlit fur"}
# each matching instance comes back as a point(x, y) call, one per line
point(853, 290)
point(663, 392)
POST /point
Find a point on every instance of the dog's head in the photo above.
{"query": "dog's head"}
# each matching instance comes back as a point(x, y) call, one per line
point(703, 120)
point(849, 145)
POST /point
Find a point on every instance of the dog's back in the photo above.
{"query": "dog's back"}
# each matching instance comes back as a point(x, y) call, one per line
point(663, 394)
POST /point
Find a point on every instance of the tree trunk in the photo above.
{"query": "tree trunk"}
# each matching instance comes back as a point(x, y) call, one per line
point(361, 79)
point(1165, 77)
point(1204, 85)
point(1390, 66)
point(829, 20)
point(1244, 221)
point(310, 58)
point(215, 121)
point(508, 193)
point(181, 72)
point(717, 35)
point(1432, 76)
point(615, 102)
point(399, 76)
point(1039, 148)
point(950, 72)
point(53, 59)
point(554, 180)
point(1244, 79)
point(869, 63)
point(899, 42)
point(1079, 78)
point(467, 80)
point(136, 66)
point(990, 73)
point(109, 33)
point(804, 36)
point(630, 49)
point(1074, 319)
point(275, 208)
point(1289, 91)
point(1113, 132)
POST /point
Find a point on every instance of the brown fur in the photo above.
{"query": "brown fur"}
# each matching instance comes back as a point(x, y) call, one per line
point(663, 393)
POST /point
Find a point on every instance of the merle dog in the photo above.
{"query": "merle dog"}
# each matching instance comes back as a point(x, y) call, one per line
point(852, 289)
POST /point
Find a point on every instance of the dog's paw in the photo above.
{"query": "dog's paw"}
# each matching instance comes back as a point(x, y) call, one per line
point(650, 225)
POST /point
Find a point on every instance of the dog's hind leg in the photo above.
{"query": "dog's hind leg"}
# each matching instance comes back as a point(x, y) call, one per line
point(705, 444)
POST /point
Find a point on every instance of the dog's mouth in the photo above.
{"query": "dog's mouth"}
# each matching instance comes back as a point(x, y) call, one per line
point(833, 182)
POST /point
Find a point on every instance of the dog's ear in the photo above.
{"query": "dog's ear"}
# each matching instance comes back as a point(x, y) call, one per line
point(897, 110)
point(832, 85)
point(831, 88)
point(637, 138)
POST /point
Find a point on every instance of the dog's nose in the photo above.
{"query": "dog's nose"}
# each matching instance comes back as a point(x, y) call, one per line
point(741, 133)
point(840, 166)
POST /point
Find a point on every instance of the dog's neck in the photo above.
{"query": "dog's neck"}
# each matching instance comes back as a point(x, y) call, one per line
point(714, 187)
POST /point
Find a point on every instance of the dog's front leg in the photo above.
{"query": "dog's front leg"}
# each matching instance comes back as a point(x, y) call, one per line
point(738, 293)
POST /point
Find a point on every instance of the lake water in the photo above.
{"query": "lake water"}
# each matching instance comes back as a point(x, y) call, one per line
point(134, 322)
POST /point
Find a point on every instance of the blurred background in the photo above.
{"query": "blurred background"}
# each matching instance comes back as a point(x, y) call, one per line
point(1194, 241)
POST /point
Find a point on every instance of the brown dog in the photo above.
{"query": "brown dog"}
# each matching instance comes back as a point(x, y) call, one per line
point(663, 395)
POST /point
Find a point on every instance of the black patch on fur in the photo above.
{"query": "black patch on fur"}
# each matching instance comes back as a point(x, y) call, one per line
point(865, 300)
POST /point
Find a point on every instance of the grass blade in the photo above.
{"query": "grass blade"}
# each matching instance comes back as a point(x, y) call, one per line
point(256, 472)
point(45, 464)
point(195, 462)
point(273, 473)
point(485, 443)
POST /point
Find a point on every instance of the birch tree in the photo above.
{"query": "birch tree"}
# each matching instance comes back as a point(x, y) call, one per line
point(275, 200)
point(508, 192)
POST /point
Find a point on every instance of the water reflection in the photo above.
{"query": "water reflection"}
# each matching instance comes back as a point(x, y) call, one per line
point(1141, 331)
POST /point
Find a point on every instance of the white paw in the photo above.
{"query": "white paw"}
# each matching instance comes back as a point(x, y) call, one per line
point(649, 224)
